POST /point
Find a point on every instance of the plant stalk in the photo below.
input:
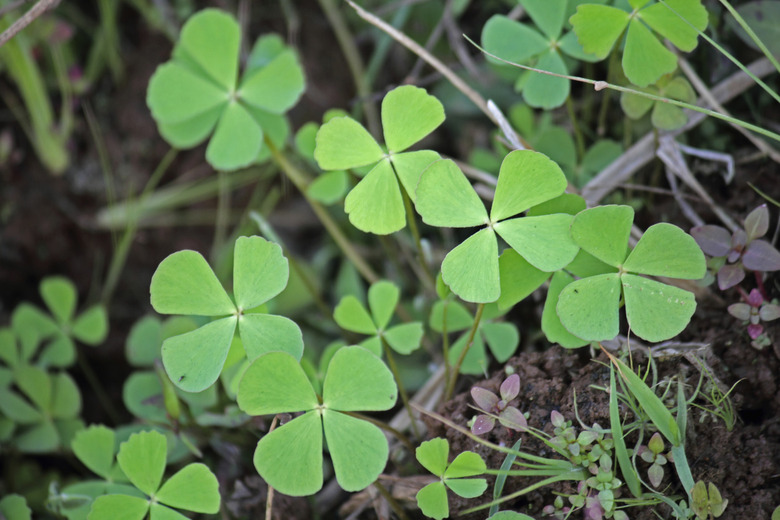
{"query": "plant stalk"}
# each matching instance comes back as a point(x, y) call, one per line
point(459, 362)
point(429, 280)
point(392, 502)
point(269, 501)
point(401, 390)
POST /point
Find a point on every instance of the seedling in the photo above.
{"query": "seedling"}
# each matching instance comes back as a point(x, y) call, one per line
point(383, 298)
point(493, 406)
point(446, 198)
point(707, 502)
point(142, 458)
point(588, 308)
point(753, 312)
point(743, 249)
point(645, 59)
point(185, 284)
point(653, 455)
point(198, 91)
point(664, 115)
point(376, 203)
point(434, 456)
point(520, 43)
point(290, 457)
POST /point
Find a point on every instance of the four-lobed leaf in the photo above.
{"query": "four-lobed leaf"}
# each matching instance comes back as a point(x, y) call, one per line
point(290, 457)
point(185, 284)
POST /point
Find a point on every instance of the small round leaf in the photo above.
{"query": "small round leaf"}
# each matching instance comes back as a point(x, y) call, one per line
point(666, 250)
point(343, 143)
point(376, 205)
point(95, 449)
point(471, 269)
point(446, 198)
point(382, 298)
point(194, 488)
point(275, 383)
point(357, 380)
point(260, 271)
point(358, 449)
point(656, 311)
point(142, 458)
point(409, 113)
point(603, 232)
point(588, 308)
point(526, 179)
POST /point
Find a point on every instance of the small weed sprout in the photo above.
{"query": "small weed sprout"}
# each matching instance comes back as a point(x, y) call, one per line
point(493, 406)
point(752, 312)
point(707, 501)
point(652, 453)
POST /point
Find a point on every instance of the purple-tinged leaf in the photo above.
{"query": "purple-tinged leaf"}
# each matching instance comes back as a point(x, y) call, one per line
point(510, 387)
point(761, 256)
point(738, 243)
point(729, 276)
point(755, 299)
point(769, 312)
point(713, 240)
point(482, 425)
point(741, 311)
point(557, 419)
point(485, 399)
point(513, 418)
point(646, 455)
point(655, 474)
point(757, 223)
point(586, 437)
point(755, 330)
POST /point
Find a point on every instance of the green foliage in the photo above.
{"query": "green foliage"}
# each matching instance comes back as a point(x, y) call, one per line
point(199, 91)
point(142, 459)
point(14, 507)
point(707, 501)
point(290, 457)
point(664, 116)
point(376, 204)
point(526, 179)
point(328, 187)
point(543, 49)
point(185, 284)
point(645, 59)
point(434, 456)
point(588, 308)
point(383, 298)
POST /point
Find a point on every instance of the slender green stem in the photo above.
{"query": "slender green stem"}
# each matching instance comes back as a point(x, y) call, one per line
point(401, 390)
point(575, 475)
point(223, 209)
point(269, 501)
point(394, 505)
point(459, 362)
point(384, 426)
point(429, 280)
point(97, 388)
point(382, 45)
point(445, 344)
point(299, 179)
point(742, 23)
point(576, 128)
point(611, 66)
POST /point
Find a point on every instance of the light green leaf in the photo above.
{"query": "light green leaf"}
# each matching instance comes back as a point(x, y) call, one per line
point(666, 250)
point(142, 458)
point(518, 278)
point(409, 166)
point(466, 464)
point(59, 294)
point(260, 271)
point(656, 311)
point(526, 179)
point(161, 512)
point(195, 359)
point(176, 95)
point(476, 361)
point(66, 398)
point(40, 438)
point(185, 284)
point(551, 323)
point(382, 298)
point(409, 113)
point(501, 338)
point(568, 203)
point(548, 16)
point(262, 333)
point(17, 409)
point(668, 117)
point(373, 345)
point(635, 106)
point(433, 455)
point(193, 131)
point(571, 46)
point(14, 507)
point(236, 141)
point(343, 143)
point(598, 27)
point(603, 232)
point(405, 338)
point(94, 447)
point(211, 38)
point(275, 383)
point(375, 205)
point(543, 90)
point(588, 308)
point(60, 351)
point(358, 449)
point(432, 500)
point(471, 269)
point(645, 59)
point(118, 507)
point(91, 326)
point(458, 317)
point(664, 18)
point(277, 86)
point(329, 187)
point(142, 396)
point(533, 237)
point(36, 385)
point(467, 487)
point(357, 380)
point(511, 41)
point(194, 488)
point(290, 458)
point(445, 198)
point(351, 315)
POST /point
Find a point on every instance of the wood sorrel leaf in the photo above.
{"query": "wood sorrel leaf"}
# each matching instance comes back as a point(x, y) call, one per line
point(211, 40)
point(432, 500)
point(656, 311)
point(645, 59)
point(511, 41)
point(277, 86)
point(91, 326)
point(343, 143)
point(598, 27)
point(548, 16)
point(409, 114)
point(446, 198)
point(358, 380)
point(502, 339)
point(543, 90)
point(677, 21)
point(476, 361)
point(457, 316)
point(518, 278)
point(118, 507)
point(603, 232)
point(467, 487)
point(262, 333)
point(142, 458)
point(94, 447)
point(36, 384)
point(358, 449)
point(185, 284)
point(532, 238)
point(405, 338)
point(236, 141)
point(275, 383)
point(588, 308)
point(161, 512)
point(551, 323)
point(59, 294)
point(382, 298)
point(409, 166)
point(666, 250)
point(66, 398)
point(351, 315)
point(376, 205)
point(466, 464)
point(193, 131)
point(14, 507)
point(194, 488)
point(260, 271)
point(433, 455)
point(170, 104)
point(471, 269)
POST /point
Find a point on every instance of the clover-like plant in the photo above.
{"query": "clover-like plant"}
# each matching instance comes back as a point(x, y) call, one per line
point(58, 329)
point(198, 91)
point(455, 476)
point(645, 59)
point(732, 253)
point(14, 507)
point(329, 187)
point(521, 43)
point(589, 307)
point(495, 406)
point(653, 455)
point(290, 457)
point(383, 298)
point(526, 178)
point(665, 116)
point(753, 311)
point(707, 501)
point(376, 203)
point(142, 459)
point(501, 337)
point(185, 284)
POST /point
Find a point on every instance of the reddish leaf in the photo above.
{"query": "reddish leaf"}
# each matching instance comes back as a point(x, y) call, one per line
point(485, 399)
point(757, 223)
point(482, 425)
point(510, 387)
point(729, 276)
point(755, 330)
point(513, 418)
point(761, 256)
point(656, 475)
point(755, 299)
point(713, 240)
